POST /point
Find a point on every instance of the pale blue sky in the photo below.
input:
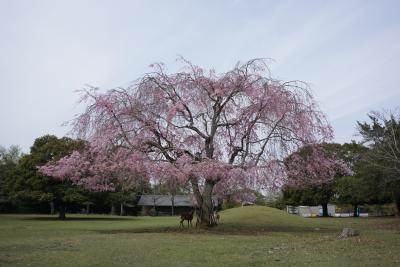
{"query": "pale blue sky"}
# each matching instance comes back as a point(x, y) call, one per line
point(348, 51)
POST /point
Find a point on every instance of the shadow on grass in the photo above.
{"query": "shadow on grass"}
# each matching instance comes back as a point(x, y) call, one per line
point(79, 219)
point(224, 229)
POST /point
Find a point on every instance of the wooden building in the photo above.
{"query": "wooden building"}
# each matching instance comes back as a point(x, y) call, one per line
point(168, 205)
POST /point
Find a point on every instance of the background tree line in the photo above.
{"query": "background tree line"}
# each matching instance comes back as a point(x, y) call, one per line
point(375, 177)
point(25, 190)
point(375, 164)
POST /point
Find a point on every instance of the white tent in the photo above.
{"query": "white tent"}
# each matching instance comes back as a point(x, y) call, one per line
point(310, 211)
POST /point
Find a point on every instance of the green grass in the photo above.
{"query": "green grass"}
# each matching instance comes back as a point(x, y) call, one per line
point(249, 236)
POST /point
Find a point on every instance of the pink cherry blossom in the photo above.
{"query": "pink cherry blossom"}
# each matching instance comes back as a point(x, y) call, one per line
point(214, 132)
point(313, 165)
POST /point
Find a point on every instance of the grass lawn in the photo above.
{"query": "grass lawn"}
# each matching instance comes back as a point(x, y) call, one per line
point(249, 236)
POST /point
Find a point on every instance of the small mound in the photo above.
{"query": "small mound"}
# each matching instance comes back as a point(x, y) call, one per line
point(259, 215)
point(260, 218)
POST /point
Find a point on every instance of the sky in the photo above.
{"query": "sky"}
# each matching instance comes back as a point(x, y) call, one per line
point(348, 51)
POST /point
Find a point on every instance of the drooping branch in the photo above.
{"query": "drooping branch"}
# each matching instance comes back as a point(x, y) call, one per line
point(211, 130)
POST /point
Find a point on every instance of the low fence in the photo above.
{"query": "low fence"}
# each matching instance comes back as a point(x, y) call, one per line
point(350, 214)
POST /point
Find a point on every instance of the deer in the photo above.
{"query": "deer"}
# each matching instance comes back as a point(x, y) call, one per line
point(187, 217)
point(216, 217)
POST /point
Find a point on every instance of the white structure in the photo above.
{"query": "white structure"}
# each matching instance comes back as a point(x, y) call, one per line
point(350, 214)
point(310, 211)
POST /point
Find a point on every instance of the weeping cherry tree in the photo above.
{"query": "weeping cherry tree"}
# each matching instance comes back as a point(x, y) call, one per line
point(213, 132)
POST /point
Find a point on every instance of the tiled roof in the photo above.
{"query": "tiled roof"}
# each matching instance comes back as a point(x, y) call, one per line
point(166, 200)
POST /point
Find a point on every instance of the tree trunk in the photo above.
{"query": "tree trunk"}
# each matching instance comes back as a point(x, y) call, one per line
point(154, 206)
point(87, 208)
point(112, 209)
point(325, 210)
point(61, 212)
point(52, 207)
point(206, 214)
point(396, 200)
point(355, 212)
point(173, 204)
point(122, 212)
